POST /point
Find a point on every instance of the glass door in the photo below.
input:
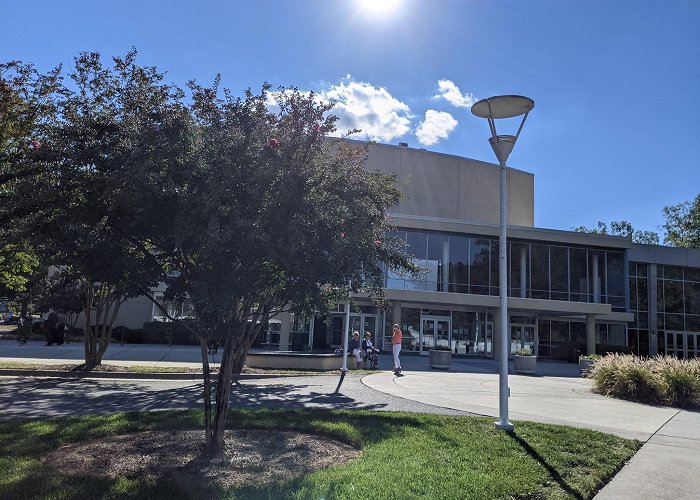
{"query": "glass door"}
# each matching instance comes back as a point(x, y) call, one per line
point(683, 344)
point(522, 337)
point(435, 331)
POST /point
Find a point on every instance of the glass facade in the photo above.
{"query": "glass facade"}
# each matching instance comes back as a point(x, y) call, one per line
point(678, 310)
point(469, 264)
point(638, 333)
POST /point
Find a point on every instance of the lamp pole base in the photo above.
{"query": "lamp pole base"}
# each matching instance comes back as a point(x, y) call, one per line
point(507, 426)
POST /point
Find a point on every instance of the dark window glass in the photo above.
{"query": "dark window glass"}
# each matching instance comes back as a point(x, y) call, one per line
point(616, 274)
point(633, 268)
point(578, 269)
point(459, 264)
point(692, 274)
point(633, 340)
point(560, 331)
point(578, 332)
point(642, 270)
point(559, 265)
point(601, 334)
point(543, 332)
point(437, 246)
point(539, 255)
point(616, 335)
point(633, 294)
point(479, 266)
point(518, 264)
point(493, 290)
point(642, 295)
point(438, 256)
point(673, 273)
point(417, 244)
point(643, 319)
point(692, 297)
point(692, 323)
point(674, 322)
point(435, 312)
point(673, 296)
point(644, 342)
point(660, 321)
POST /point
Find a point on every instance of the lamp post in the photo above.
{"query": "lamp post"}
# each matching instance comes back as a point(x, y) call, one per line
point(495, 108)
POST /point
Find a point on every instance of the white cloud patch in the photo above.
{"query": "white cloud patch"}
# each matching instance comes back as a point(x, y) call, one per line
point(451, 93)
point(373, 110)
point(437, 125)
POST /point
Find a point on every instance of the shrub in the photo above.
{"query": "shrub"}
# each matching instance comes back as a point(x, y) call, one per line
point(127, 335)
point(626, 377)
point(441, 347)
point(680, 379)
point(524, 352)
point(664, 380)
point(158, 332)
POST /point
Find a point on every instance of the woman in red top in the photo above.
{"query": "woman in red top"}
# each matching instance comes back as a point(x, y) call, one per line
point(396, 339)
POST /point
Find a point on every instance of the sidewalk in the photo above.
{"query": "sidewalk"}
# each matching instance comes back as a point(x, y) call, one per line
point(666, 467)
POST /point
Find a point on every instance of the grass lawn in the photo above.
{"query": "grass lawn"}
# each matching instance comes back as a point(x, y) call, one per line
point(405, 455)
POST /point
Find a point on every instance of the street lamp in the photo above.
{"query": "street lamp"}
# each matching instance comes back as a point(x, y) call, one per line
point(495, 108)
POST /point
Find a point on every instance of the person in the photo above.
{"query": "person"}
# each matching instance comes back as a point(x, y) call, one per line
point(50, 324)
point(396, 339)
point(370, 352)
point(354, 347)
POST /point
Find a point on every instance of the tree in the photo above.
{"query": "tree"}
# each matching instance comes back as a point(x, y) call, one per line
point(16, 267)
point(269, 213)
point(27, 103)
point(683, 224)
point(100, 158)
point(622, 228)
point(243, 211)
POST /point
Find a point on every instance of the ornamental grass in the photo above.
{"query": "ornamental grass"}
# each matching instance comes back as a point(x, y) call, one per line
point(659, 380)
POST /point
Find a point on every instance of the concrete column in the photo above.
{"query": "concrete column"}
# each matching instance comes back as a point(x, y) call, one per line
point(523, 272)
point(590, 334)
point(445, 265)
point(285, 327)
point(596, 280)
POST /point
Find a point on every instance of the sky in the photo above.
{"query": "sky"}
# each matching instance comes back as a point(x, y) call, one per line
point(614, 135)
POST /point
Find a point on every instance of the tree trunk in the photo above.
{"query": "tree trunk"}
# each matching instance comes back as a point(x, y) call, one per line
point(207, 393)
point(223, 395)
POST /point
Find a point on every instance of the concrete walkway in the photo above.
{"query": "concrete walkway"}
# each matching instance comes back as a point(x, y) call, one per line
point(666, 467)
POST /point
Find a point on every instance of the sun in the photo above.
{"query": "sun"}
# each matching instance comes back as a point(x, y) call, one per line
point(378, 7)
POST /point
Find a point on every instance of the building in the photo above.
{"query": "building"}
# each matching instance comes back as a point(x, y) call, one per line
point(569, 292)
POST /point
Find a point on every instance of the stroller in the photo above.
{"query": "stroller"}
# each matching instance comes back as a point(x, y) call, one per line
point(371, 359)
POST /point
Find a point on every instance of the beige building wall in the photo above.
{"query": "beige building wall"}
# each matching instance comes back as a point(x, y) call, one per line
point(451, 187)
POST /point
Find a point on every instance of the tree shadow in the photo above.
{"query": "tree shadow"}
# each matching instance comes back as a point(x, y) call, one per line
point(553, 473)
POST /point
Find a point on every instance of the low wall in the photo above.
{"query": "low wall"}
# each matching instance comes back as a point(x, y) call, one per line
point(296, 361)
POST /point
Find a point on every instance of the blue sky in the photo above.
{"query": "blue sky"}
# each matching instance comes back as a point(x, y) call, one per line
point(615, 133)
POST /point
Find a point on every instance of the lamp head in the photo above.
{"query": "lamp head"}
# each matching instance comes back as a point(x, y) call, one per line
point(496, 108)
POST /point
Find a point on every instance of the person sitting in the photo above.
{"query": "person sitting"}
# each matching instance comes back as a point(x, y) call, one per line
point(354, 347)
point(371, 358)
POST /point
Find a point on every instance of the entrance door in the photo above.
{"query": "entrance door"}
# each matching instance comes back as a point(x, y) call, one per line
point(363, 323)
point(683, 344)
point(522, 337)
point(435, 331)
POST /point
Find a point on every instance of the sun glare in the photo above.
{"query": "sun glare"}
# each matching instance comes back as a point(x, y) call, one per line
point(378, 6)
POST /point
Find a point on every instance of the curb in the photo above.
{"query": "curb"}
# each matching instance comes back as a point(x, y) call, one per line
point(132, 375)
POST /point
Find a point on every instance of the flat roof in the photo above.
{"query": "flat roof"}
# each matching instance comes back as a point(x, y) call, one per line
point(519, 232)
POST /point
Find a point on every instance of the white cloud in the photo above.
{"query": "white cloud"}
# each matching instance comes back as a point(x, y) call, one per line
point(436, 126)
point(373, 110)
point(451, 92)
